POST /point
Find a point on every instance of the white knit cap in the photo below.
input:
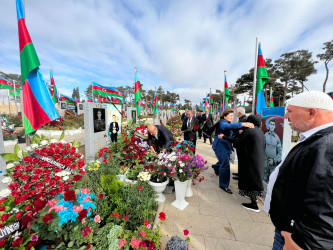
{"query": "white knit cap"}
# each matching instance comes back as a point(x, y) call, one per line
point(312, 99)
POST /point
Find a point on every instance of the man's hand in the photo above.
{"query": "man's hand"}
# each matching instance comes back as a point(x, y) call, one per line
point(220, 136)
point(289, 243)
point(152, 149)
point(247, 125)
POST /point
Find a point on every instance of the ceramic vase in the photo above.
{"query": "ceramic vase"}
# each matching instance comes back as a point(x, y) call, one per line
point(180, 190)
point(159, 188)
point(189, 192)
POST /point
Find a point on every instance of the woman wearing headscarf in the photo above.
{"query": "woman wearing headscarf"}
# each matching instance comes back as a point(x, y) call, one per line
point(223, 148)
point(251, 168)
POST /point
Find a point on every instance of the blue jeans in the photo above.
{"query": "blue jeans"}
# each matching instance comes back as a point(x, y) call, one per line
point(224, 168)
point(278, 241)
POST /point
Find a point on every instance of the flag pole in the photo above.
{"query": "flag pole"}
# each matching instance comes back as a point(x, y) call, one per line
point(255, 76)
point(92, 91)
point(225, 72)
point(9, 103)
point(15, 96)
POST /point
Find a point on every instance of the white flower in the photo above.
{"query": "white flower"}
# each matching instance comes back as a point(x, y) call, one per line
point(7, 180)
point(5, 192)
point(44, 142)
point(63, 141)
point(144, 176)
point(66, 178)
point(34, 146)
point(182, 165)
point(20, 154)
point(10, 165)
point(15, 210)
point(180, 162)
point(16, 235)
point(29, 148)
point(180, 170)
point(54, 141)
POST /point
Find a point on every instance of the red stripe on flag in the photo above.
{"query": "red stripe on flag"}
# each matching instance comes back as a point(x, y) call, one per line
point(24, 37)
point(261, 61)
point(137, 86)
point(32, 109)
point(226, 85)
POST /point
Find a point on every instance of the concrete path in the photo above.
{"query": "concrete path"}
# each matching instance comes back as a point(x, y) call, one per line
point(215, 219)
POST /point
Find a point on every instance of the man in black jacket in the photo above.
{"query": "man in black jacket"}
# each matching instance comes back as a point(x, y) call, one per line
point(199, 118)
point(300, 190)
point(207, 121)
point(189, 128)
point(113, 129)
point(160, 137)
point(184, 115)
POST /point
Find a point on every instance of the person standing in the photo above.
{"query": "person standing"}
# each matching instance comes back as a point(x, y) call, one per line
point(207, 120)
point(240, 112)
point(252, 161)
point(113, 129)
point(200, 123)
point(184, 115)
point(223, 148)
point(160, 137)
point(189, 128)
point(300, 190)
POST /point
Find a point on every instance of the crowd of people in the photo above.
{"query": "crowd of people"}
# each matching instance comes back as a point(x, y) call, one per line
point(299, 198)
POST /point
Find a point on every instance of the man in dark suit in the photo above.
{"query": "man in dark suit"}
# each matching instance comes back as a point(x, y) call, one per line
point(113, 129)
point(184, 115)
point(200, 123)
point(207, 120)
point(160, 137)
point(189, 128)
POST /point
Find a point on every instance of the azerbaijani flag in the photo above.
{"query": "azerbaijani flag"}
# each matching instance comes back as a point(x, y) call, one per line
point(137, 93)
point(37, 103)
point(226, 93)
point(12, 93)
point(5, 84)
point(68, 99)
point(271, 101)
point(244, 102)
point(262, 78)
point(211, 103)
point(173, 107)
point(107, 91)
point(54, 92)
point(90, 100)
point(155, 103)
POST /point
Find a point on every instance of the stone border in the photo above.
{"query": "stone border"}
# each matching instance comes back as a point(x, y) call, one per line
point(10, 142)
point(59, 132)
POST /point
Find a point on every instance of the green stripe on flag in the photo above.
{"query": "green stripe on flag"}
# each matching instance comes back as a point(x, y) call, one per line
point(262, 78)
point(4, 86)
point(27, 126)
point(29, 61)
point(102, 93)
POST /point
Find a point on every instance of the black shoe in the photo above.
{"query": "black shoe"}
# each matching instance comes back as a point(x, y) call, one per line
point(216, 169)
point(235, 178)
point(226, 190)
point(204, 141)
point(251, 206)
point(235, 174)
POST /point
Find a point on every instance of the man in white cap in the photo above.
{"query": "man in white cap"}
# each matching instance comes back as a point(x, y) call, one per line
point(300, 190)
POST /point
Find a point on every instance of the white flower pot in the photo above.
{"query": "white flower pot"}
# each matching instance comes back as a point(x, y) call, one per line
point(121, 177)
point(189, 192)
point(159, 188)
point(10, 142)
point(180, 189)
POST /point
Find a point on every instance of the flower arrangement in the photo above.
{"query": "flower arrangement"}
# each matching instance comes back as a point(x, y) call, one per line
point(69, 121)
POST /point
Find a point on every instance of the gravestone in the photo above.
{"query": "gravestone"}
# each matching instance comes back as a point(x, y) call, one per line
point(62, 108)
point(95, 117)
point(164, 118)
point(79, 107)
point(131, 114)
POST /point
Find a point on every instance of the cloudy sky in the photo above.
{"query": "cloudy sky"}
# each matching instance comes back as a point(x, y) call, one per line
point(181, 45)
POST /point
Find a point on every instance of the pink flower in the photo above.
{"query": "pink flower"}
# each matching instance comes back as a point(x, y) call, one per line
point(86, 199)
point(59, 208)
point(143, 234)
point(83, 221)
point(135, 243)
point(34, 238)
point(97, 219)
point(148, 226)
point(78, 209)
point(122, 242)
point(85, 191)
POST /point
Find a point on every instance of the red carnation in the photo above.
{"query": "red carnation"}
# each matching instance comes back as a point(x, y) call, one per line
point(57, 178)
point(47, 218)
point(60, 183)
point(52, 183)
point(25, 177)
point(50, 151)
point(27, 186)
point(89, 246)
point(13, 185)
point(53, 192)
point(186, 232)
point(2, 243)
point(47, 178)
point(52, 145)
point(27, 159)
point(39, 204)
point(35, 178)
point(37, 151)
point(68, 145)
point(64, 151)
point(101, 196)
point(60, 145)
point(139, 187)
point(17, 242)
point(57, 156)
point(3, 199)
point(2, 208)
point(47, 171)
point(38, 185)
point(4, 217)
point(15, 193)
point(57, 151)
point(25, 220)
point(77, 177)
point(70, 195)
point(19, 215)
point(44, 164)
point(38, 171)
point(162, 216)
point(126, 217)
point(83, 214)
point(35, 160)
point(17, 175)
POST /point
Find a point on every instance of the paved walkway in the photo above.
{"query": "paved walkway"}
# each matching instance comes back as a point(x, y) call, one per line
point(215, 219)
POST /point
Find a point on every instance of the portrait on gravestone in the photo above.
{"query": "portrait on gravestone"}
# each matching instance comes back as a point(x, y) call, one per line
point(80, 106)
point(134, 116)
point(63, 105)
point(99, 119)
point(272, 127)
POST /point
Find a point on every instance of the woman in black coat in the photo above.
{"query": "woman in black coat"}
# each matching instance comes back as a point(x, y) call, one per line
point(252, 162)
